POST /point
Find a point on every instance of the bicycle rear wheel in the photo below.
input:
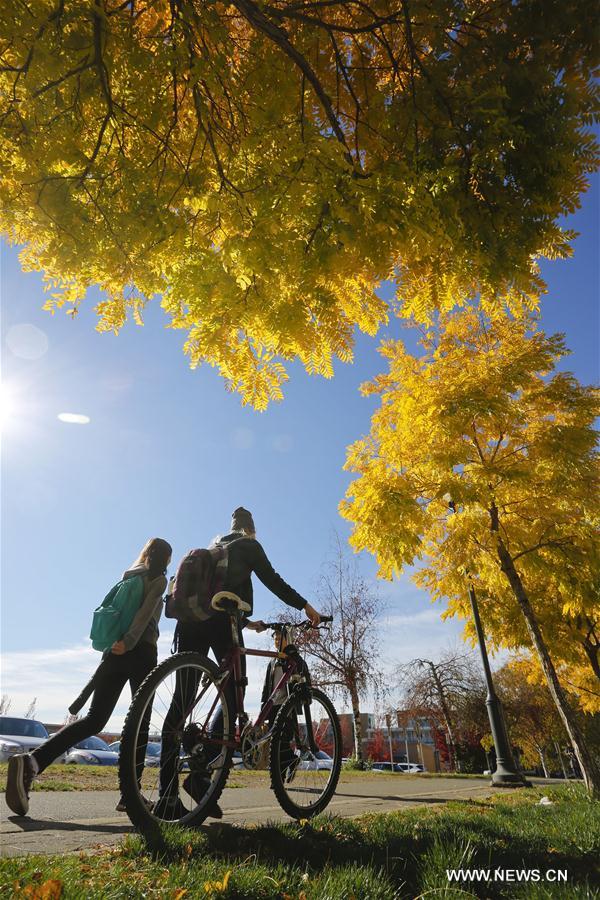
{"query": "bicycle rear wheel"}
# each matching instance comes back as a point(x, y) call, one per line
point(306, 753)
point(183, 705)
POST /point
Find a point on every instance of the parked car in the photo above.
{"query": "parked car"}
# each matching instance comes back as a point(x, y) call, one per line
point(21, 736)
point(152, 752)
point(237, 759)
point(387, 767)
point(321, 760)
point(411, 768)
point(92, 751)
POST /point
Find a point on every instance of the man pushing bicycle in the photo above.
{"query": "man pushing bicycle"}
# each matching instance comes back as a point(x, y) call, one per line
point(244, 557)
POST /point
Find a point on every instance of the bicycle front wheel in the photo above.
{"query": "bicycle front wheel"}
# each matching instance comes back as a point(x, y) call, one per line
point(182, 713)
point(306, 753)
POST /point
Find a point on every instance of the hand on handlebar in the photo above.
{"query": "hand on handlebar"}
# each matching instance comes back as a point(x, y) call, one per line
point(256, 626)
point(312, 615)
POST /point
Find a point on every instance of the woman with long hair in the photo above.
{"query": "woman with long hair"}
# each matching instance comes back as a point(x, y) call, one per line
point(129, 659)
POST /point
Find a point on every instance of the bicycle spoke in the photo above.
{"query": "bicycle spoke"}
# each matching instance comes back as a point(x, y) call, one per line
point(181, 702)
point(305, 755)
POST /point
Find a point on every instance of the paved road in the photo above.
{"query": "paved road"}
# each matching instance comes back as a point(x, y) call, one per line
point(82, 820)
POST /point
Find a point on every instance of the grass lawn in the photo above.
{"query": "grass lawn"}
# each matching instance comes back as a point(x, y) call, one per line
point(105, 778)
point(374, 857)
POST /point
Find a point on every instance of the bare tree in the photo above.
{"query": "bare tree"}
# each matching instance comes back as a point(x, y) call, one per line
point(30, 713)
point(346, 658)
point(70, 718)
point(5, 704)
point(442, 691)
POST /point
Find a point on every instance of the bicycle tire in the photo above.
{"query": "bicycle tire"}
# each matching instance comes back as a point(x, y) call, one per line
point(140, 815)
point(285, 715)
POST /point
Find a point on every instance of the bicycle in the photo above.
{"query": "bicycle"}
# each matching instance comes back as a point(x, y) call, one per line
point(195, 705)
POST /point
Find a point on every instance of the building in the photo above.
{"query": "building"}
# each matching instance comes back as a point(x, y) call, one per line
point(411, 742)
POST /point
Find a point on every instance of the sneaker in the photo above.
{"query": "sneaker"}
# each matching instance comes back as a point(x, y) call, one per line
point(196, 788)
point(170, 809)
point(121, 807)
point(18, 783)
point(214, 811)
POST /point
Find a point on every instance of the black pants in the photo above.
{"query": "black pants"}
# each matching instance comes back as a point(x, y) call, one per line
point(215, 635)
point(111, 676)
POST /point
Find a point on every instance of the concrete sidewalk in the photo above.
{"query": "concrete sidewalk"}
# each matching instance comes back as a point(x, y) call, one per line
point(69, 821)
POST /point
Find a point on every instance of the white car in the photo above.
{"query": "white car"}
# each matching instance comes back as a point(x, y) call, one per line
point(411, 768)
point(92, 751)
point(320, 760)
point(21, 736)
point(387, 767)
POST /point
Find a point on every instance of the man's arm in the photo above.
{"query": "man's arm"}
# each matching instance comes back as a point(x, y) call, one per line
point(273, 581)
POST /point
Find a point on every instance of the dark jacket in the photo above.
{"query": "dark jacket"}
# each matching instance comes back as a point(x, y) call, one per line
point(245, 556)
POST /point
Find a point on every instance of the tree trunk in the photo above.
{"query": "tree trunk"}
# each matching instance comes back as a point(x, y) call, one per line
point(560, 759)
point(542, 757)
point(589, 767)
point(358, 735)
point(591, 652)
point(454, 761)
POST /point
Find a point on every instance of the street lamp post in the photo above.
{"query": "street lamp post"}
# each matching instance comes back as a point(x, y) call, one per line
point(506, 774)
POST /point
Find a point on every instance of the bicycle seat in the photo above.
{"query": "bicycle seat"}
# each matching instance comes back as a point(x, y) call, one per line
point(226, 601)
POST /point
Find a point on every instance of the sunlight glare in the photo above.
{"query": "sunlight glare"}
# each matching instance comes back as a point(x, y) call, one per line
point(8, 406)
point(74, 418)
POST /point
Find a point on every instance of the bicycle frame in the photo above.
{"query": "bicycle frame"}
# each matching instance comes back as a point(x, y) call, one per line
point(231, 665)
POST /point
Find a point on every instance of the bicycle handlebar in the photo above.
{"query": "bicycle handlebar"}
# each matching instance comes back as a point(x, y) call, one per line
point(277, 626)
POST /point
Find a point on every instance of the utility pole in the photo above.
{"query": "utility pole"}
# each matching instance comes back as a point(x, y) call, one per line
point(388, 722)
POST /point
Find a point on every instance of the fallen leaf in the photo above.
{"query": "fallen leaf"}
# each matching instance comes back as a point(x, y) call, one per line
point(49, 890)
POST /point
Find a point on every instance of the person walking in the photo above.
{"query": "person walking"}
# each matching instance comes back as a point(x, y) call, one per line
point(245, 557)
point(130, 659)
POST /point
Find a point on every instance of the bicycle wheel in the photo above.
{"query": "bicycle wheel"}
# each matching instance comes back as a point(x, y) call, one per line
point(181, 704)
point(306, 753)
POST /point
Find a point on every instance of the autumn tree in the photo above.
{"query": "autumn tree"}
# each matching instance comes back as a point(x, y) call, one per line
point(346, 657)
point(445, 688)
point(485, 418)
point(378, 746)
point(533, 719)
point(566, 600)
point(263, 166)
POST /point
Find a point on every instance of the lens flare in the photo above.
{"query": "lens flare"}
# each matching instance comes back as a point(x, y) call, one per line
point(74, 418)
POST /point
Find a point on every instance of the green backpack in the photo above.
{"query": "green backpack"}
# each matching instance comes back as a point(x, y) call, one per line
point(114, 616)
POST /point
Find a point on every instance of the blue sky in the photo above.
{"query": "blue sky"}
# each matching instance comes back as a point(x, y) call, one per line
point(168, 452)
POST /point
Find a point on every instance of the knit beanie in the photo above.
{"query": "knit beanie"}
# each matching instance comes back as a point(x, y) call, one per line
point(241, 520)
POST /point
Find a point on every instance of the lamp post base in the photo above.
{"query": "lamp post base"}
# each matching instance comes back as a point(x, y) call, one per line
point(504, 778)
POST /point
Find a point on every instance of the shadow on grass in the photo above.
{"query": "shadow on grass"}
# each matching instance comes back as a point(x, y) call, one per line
point(413, 848)
point(397, 798)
